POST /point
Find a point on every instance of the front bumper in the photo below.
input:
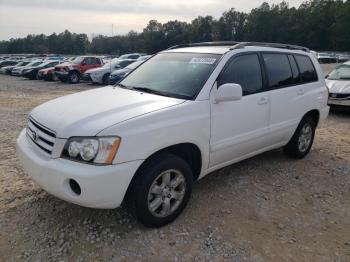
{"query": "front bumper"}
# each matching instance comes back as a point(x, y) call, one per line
point(87, 77)
point(16, 73)
point(62, 75)
point(339, 102)
point(101, 186)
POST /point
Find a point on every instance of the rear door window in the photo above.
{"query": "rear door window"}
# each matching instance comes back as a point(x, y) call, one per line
point(279, 71)
point(307, 70)
point(244, 70)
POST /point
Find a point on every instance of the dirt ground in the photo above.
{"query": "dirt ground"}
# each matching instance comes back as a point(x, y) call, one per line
point(268, 208)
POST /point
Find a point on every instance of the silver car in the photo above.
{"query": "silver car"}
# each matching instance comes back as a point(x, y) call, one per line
point(338, 82)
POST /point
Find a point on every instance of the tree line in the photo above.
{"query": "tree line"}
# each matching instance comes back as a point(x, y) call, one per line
point(317, 24)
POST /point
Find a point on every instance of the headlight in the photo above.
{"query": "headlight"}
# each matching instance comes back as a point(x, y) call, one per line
point(94, 150)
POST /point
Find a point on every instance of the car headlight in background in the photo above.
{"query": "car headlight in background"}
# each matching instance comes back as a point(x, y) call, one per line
point(94, 150)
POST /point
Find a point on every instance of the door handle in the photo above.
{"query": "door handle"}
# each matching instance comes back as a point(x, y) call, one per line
point(263, 101)
point(300, 92)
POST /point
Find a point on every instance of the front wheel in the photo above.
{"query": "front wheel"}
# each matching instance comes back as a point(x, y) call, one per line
point(105, 79)
point(74, 78)
point(300, 144)
point(161, 190)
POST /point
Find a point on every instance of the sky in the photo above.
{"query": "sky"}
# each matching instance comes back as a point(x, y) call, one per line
point(19, 18)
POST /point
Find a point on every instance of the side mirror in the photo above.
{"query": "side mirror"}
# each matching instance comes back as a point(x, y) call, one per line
point(83, 63)
point(228, 92)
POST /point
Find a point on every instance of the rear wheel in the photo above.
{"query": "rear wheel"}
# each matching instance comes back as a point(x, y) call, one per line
point(161, 190)
point(300, 144)
point(74, 78)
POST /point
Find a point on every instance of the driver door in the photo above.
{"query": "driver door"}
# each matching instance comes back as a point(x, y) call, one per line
point(239, 128)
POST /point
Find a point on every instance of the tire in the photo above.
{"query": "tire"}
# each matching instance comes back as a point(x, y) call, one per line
point(74, 78)
point(150, 188)
point(105, 79)
point(301, 142)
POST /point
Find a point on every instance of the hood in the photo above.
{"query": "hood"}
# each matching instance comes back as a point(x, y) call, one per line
point(47, 69)
point(338, 86)
point(120, 71)
point(19, 67)
point(67, 64)
point(29, 68)
point(88, 113)
point(97, 70)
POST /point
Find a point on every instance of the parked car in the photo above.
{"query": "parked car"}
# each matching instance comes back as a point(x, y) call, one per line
point(131, 56)
point(32, 72)
point(8, 63)
point(179, 116)
point(18, 71)
point(73, 71)
point(326, 58)
point(47, 74)
point(343, 58)
point(338, 82)
point(8, 69)
point(101, 75)
point(144, 58)
point(119, 74)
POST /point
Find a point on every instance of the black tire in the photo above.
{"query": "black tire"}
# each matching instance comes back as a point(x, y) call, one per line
point(105, 79)
point(137, 199)
point(74, 78)
point(293, 148)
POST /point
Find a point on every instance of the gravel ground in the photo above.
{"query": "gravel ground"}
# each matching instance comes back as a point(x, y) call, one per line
point(268, 208)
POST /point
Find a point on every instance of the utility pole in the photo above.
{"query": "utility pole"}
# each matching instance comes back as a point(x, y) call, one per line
point(112, 29)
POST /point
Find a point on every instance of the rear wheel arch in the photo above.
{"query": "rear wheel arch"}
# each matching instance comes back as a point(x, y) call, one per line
point(314, 114)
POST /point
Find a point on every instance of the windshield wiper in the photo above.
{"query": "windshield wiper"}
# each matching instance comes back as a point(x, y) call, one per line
point(158, 92)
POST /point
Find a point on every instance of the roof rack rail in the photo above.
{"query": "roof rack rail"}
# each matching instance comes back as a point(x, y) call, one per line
point(218, 43)
point(274, 45)
point(236, 45)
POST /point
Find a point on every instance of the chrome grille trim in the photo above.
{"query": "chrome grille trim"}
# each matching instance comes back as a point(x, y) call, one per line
point(41, 136)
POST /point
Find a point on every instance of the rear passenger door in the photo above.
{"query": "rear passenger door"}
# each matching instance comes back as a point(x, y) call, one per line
point(239, 128)
point(288, 94)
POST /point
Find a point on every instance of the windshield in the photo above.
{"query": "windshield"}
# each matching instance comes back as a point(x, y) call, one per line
point(111, 63)
point(34, 63)
point(173, 74)
point(78, 60)
point(340, 73)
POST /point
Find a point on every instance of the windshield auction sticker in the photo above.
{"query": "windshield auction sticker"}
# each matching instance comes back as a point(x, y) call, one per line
point(202, 60)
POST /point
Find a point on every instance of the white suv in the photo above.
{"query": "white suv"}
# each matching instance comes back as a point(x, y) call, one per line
point(181, 115)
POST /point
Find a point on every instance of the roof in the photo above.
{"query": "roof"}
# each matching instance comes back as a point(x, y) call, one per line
point(224, 47)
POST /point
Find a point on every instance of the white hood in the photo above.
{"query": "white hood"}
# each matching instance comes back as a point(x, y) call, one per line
point(338, 86)
point(87, 113)
point(100, 70)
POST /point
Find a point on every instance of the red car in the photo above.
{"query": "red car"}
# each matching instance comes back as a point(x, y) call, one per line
point(72, 71)
point(47, 74)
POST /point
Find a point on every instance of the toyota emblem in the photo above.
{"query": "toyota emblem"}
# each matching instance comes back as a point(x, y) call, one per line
point(35, 136)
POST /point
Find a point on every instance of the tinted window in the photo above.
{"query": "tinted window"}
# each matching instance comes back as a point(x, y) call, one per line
point(295, 70)
point(307, 70)
point(134, 56)
point(125, 63)
point(90, 61)
point(244, 70)
point(278, 70)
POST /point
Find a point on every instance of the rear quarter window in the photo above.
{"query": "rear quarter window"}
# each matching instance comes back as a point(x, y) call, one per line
point(307, 70)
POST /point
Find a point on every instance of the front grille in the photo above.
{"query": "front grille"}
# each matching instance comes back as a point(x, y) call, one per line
point(41, 136)
point(339, 96)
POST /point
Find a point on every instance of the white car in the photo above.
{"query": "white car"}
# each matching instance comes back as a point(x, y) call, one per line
point(181, 115)
point(101, 75)
point(338, 82)
point(18, 71)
